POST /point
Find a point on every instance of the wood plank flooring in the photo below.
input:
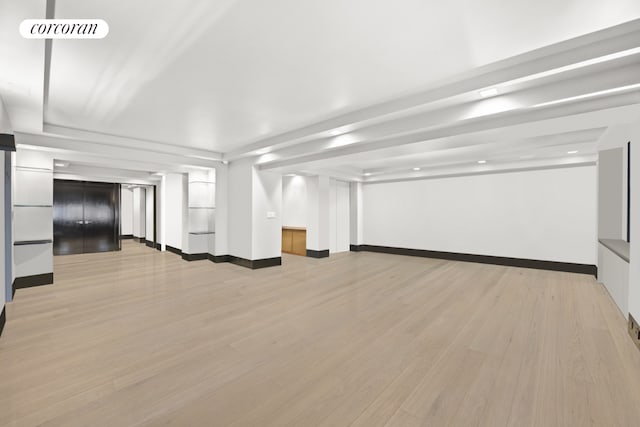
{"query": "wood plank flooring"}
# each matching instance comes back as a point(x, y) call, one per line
point(143, 338)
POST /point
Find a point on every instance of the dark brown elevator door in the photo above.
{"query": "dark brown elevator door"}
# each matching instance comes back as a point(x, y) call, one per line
point(85, 217)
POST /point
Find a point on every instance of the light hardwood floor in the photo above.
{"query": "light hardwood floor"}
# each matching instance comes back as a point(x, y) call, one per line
point(143, 338)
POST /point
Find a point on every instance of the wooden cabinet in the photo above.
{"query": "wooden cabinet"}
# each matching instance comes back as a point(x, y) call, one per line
point(294, 240)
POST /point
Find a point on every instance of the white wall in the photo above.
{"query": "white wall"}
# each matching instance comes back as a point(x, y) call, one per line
point(542, 215)
point(126, 211)
point(174, 193)
point(633, 134)
point(3, 283)
point(294, 201)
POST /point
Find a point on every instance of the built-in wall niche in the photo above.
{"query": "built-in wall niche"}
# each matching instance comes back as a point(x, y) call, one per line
point(201, 208)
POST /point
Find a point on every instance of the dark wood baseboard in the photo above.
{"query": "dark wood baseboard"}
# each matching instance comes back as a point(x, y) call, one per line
point(317, 254)
point(126, 237)
point(149, 243)
point(3, 320)
point(634, 331)
point(174, 250)
point(219, 258)
point(255, 264)
point(158, 246)
point(193, 257)
point(31, 281)
point(482, 259)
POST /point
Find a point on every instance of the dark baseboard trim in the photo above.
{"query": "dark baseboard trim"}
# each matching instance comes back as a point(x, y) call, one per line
point(174, 250)
point(483, 259)
point(255, 263)
point(126, 237)
point(219, 258)
point(158, 246)
point(194, 257)
point(3, 320)
point(149, 243)
point(31, 281)
point(634, 331)
point(317, 254)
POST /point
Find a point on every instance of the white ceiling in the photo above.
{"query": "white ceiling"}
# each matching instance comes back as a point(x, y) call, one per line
point(325, 87)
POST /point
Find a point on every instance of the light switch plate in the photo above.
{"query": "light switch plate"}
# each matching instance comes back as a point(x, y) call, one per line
point(271, 214)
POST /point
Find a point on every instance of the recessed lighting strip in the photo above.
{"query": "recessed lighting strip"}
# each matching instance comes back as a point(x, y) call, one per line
point(577, 65)
point(589, 95)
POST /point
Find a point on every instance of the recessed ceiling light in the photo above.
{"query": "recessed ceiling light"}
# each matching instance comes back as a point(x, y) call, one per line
point(489, 92)
point(61, 164)
point(416, 169)
point(572, 152)
point(482, 162)
point(262, 151)
point(225, 162)
point(367, 174)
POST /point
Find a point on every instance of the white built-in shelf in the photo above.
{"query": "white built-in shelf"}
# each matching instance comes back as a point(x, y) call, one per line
point(32, 242)
point(202, 232)
point(33, 206)
point(202, 207)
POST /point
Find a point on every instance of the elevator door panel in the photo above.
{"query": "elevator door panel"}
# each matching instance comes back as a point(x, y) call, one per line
point(85, 217)
point(68, 217)
point(100, 227)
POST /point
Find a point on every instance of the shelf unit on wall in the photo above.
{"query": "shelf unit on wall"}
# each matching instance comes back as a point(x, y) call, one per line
point(201, 212)
point(33, 215)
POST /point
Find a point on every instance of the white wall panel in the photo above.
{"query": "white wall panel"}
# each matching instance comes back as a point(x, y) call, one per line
point(613, 272)
point(33, 187)
point(544, 215)
point(33, 259)
point(32, 223)
point(294, 201)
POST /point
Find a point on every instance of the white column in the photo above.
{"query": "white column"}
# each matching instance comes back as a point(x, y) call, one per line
point(221, 246)
point(318, 199)
point(254, 215)
point(267, 215)
point(355, 199)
